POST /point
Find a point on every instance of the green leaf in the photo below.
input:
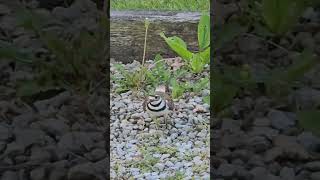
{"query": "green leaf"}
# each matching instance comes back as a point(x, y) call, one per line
point(204, 32)
point(196, 63)
point(280, 81)
point(304, 63)
point(310, 120)
point(205, 55)
point(178, 46)
point(10, 52)
point(200, 85)
point(223, 93)
point(177, 89)
point(281, 15)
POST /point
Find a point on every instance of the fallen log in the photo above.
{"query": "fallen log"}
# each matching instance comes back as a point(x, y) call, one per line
point(127, 31)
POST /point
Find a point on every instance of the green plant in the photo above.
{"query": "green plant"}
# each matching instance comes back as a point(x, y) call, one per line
point(309, 120)
point(177, 89)
point(277, 82)
point(134, 80)
point(76, 65)
point(281, 15)
point(280, 81)
point(196, 61)
point(131, 80)
point(159, 74)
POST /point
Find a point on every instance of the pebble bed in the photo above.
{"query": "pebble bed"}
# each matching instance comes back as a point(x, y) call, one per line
point(262, 137)
point(142, 149)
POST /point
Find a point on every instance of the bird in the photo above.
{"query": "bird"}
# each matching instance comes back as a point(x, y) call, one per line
point(159, 104)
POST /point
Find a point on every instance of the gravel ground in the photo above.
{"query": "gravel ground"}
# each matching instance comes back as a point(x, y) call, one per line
point(62, 136)
point(141, 149)
point(262, 139)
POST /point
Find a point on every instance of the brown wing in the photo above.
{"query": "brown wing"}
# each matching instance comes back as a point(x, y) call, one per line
point(145, 102)
point(170, 102)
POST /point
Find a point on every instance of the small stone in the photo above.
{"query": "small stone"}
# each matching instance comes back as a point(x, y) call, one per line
point(262, 122)
point(38, 174)
point(10, 175)
point(4, 10)
point(98, 154)
point(5, 133)
point(309, 141)
point(82, 171)
point(39, 155)
point(280, 120)
point(159, 166)
point(313, 166)
point(315, 176)
point(58, 174)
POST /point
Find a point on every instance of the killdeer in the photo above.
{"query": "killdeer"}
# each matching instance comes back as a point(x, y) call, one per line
point(159, 104)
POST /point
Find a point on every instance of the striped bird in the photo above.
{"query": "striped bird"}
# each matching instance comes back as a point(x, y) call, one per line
point(158, 105)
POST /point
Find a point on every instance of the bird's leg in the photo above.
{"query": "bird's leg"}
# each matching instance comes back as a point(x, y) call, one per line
point(165, 121)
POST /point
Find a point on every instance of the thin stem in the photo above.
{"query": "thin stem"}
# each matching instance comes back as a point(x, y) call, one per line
point(268, 41)
point(145, 42)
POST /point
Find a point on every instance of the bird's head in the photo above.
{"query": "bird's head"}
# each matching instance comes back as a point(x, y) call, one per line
point(153, 98)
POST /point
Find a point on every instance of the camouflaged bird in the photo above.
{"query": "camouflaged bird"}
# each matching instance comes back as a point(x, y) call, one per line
point(159, 104)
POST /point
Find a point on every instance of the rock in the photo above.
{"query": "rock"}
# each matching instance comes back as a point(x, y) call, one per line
point(230, 125)
point(310, 14)
point(54, 126)
point(4, 10)
point(315, 176)
point(264, 131)
point(256, 161)
point(280, 120)
point(40, 155)
point(38, 174)
point(97, 154)
point(303, 175)
point(249, 44)
point(27, 137)
point(3, 145)
point(258, 143)
point(305, 98)
point(8, 23)
point(10, 175)
point(273, 153)
point(58, 174)
point(232, 141)
point(24, 120)
point(14, 149)
point(287, 147)
point(101, 166)
point(78, 142)
point(305, 40)
point(83, 172)
point(21, 159)
point(309, 141)
point(259, 172)
point(262, 122)
point(312, 166)
point(227, 170)
point(159, 166)
point(5, 132)
point(287, 173)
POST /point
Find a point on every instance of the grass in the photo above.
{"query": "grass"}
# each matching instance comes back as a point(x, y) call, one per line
point(173, 5)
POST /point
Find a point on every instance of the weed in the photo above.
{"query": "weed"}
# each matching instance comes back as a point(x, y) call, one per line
point(76, 65)
point(196, 61)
